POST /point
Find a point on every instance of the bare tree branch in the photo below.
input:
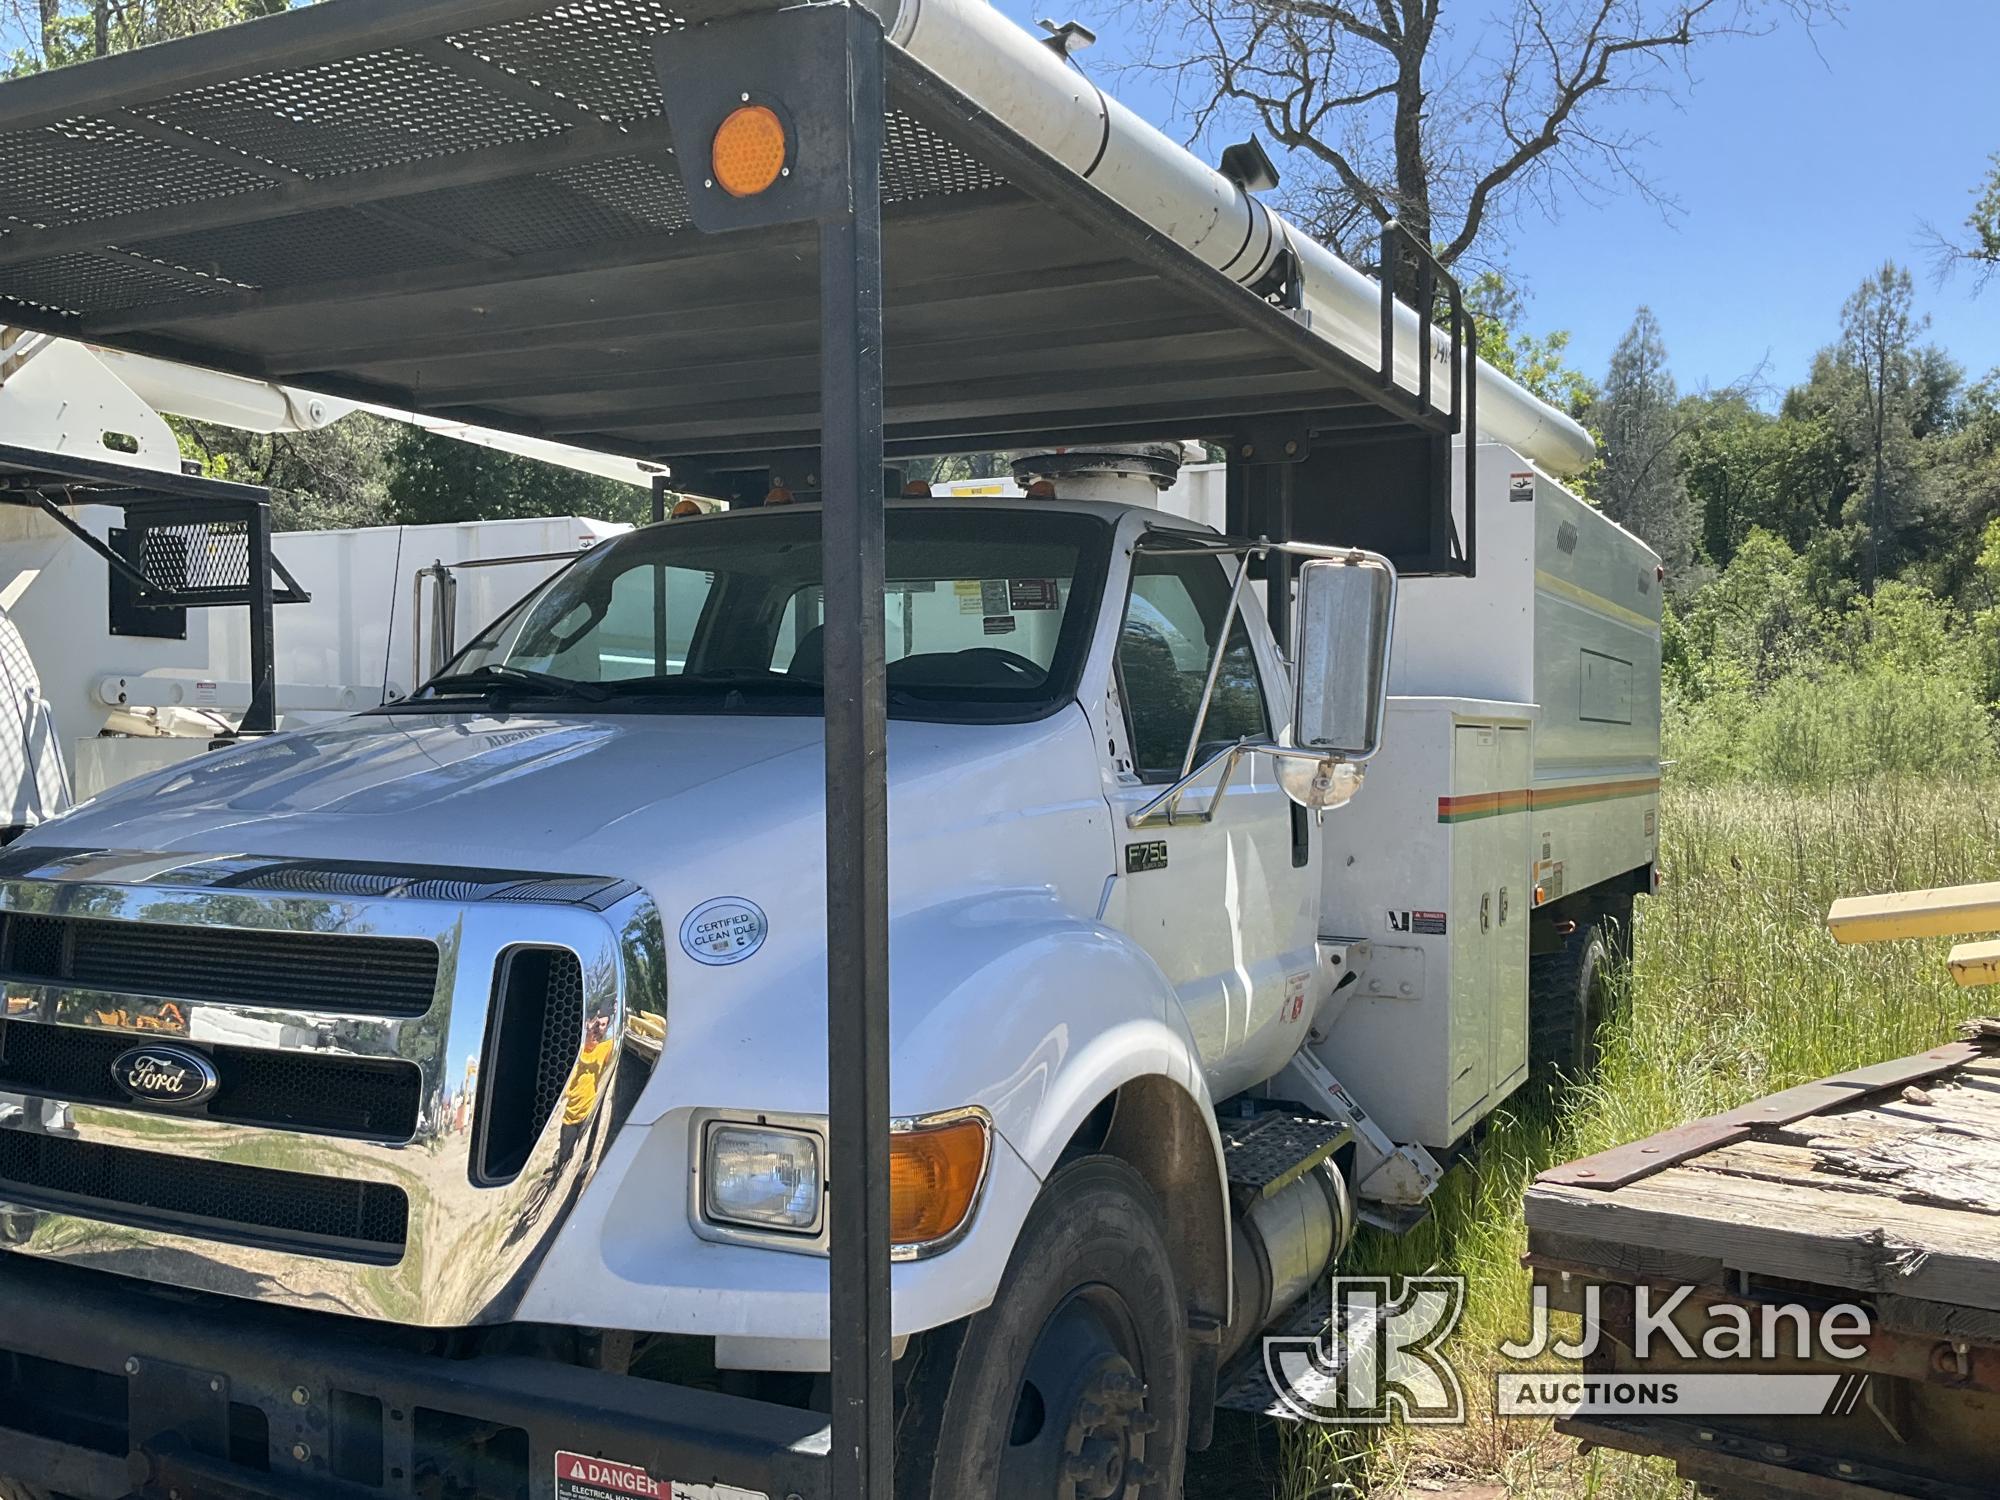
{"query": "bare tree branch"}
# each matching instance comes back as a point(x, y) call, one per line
point(1448, 134)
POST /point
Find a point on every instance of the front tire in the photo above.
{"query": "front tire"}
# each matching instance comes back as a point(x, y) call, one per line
point(1074, 1383)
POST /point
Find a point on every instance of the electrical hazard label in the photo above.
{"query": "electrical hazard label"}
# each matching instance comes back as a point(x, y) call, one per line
point(1424, 923)
point(581, 1477)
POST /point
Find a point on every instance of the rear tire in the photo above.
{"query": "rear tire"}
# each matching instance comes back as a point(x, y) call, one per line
point(1569, 992)
point(1075, 1380)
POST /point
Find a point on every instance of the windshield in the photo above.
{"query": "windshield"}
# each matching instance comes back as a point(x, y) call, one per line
point(987, 615)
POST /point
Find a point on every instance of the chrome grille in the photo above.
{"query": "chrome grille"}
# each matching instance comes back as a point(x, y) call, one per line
point(310, 971)
point(340, 1138)
point(286, 1090)
point(327, 1216)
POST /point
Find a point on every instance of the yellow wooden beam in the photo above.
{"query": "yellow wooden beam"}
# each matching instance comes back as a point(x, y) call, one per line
point(1908, 914)
point(1974, 964)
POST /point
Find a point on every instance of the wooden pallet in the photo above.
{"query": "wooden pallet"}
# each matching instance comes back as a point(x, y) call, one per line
point(1879, 1188)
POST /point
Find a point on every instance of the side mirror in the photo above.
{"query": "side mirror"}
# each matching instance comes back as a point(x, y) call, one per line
point(1347, 613)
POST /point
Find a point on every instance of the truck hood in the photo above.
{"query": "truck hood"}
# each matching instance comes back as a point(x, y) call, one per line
point(524, 790)
point(645, 797)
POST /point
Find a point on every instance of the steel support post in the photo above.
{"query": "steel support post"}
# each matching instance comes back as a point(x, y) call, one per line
point(262, 715)
point(857, 885)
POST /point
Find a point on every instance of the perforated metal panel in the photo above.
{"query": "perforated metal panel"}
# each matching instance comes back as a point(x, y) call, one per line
point(595, 52)
point(92, 167)
point(359, 113)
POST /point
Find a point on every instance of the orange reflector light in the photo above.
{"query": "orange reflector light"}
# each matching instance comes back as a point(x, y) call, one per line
point(749, 151)
point(934, 1176)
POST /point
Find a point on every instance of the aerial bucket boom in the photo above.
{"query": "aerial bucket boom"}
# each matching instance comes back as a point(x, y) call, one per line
point(1026, 83)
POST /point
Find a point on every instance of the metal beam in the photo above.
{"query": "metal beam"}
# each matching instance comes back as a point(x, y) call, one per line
point(547, 329)
point(262, 715)
point(857, 819)
point(639, 252)
point(1018, 400)
point(668, 367)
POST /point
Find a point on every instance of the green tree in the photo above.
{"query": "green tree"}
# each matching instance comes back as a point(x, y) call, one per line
point(1885, 387)
point(61, 32)
point(1979, 247)
point(337, 476)
point(1746, 470)
point(1639, 419)
point(432, 478)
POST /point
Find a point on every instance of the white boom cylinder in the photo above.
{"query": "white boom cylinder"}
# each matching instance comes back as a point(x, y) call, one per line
point(1025, 83)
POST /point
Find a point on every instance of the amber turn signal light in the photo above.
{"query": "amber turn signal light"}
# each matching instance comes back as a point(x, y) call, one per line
point(934, 1176)
point(748, 153)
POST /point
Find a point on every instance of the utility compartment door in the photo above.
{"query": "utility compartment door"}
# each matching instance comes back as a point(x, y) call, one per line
point(1513, 869)
point(1475, 788)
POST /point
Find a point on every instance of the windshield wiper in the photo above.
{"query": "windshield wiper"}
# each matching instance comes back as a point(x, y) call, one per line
point(505, 675)
point(748, 680)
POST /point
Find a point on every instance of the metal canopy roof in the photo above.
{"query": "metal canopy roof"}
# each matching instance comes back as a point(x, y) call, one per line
point(472, 208)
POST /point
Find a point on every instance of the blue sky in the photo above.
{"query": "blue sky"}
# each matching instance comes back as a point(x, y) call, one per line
point(1799, 164)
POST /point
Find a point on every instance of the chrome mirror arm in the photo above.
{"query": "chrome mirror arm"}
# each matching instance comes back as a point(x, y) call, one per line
point(1165, 808)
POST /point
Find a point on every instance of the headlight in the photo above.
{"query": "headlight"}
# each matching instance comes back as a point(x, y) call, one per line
point(762, 1178)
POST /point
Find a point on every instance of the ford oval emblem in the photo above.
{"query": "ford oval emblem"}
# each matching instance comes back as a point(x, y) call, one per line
point(175, 1076)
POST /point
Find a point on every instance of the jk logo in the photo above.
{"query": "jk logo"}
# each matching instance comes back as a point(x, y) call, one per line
point(1380, 1361)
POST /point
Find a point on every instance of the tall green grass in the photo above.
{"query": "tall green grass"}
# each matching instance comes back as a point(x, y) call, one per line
point(1736, 991)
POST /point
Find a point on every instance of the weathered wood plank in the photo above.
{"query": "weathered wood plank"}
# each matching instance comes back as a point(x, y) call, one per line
point(1781, 1229)
point(1974, 964)
point(1944, 912)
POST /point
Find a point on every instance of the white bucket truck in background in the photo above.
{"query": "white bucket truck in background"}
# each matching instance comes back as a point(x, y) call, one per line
point(113, 703)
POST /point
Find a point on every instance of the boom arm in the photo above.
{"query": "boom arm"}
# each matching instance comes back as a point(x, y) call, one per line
point(263, 406)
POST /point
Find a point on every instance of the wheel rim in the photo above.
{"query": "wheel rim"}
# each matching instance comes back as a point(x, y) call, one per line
point(1080, 1422)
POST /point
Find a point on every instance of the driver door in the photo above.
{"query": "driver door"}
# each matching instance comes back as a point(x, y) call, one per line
point(1227, 908)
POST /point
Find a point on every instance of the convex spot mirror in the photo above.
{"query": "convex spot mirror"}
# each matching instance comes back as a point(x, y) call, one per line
point(1347, 611)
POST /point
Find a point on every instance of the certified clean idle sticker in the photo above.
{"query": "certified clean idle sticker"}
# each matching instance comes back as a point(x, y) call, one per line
point(726, 930)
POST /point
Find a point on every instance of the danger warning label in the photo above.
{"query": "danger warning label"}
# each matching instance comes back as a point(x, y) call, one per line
point(581, 1477)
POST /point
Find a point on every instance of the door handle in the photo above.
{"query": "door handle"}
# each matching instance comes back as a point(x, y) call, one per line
point(1485, 911)
point(1503, 906)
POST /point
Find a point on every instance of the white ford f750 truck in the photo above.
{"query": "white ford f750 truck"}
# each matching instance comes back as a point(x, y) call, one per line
point(504, 1093)
point(502, 1008)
